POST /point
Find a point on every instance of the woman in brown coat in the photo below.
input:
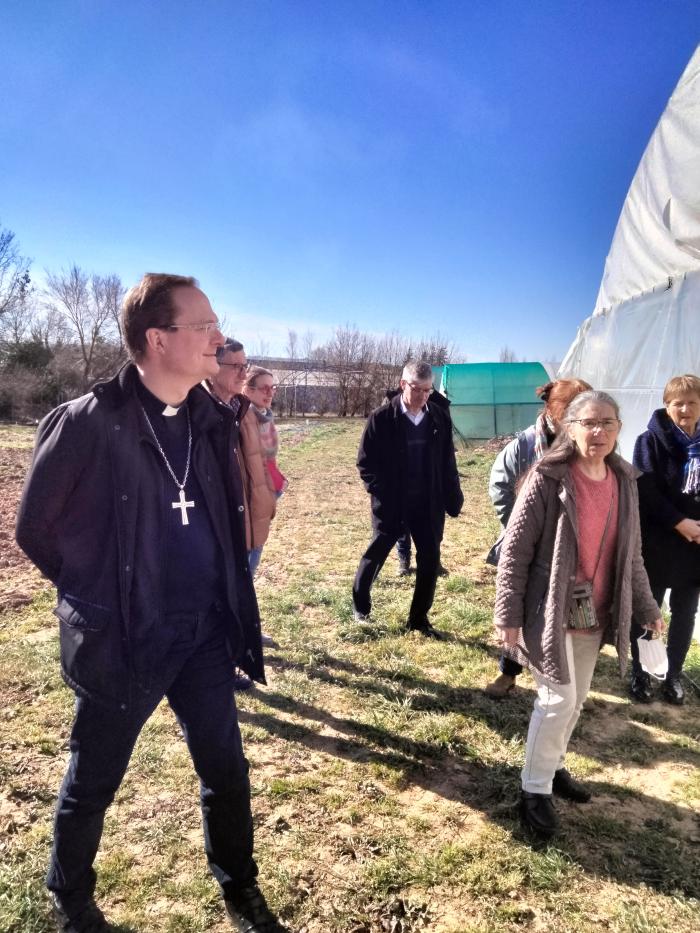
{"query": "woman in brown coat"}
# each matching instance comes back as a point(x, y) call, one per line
point(574, 529)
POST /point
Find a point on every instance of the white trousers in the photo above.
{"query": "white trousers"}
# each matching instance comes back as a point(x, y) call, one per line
point(556, 713)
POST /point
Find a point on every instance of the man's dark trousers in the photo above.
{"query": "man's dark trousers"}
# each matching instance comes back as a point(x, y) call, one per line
point(422, 530)
point(196, 675)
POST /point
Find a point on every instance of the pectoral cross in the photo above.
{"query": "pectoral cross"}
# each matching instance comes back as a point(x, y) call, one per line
point(183, 505)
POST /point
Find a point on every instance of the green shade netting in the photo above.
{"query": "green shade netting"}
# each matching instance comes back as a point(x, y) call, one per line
point(491, 398)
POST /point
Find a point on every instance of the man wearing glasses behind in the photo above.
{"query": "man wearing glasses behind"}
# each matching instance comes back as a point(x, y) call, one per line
point(132, 509)
point(407, 463)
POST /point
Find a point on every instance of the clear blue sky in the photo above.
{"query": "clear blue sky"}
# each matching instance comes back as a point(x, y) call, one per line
point(424, 165)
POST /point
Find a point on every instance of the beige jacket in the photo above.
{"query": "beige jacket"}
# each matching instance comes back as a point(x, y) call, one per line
point(259, 491)
point(538, 562)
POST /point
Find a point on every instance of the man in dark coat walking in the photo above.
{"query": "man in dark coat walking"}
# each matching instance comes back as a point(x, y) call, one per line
point(132, 508)
point(407, 463)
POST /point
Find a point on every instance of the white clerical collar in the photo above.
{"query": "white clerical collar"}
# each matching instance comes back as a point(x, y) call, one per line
point(169, 411)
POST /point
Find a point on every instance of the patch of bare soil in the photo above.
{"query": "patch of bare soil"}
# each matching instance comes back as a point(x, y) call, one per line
point(18, 578)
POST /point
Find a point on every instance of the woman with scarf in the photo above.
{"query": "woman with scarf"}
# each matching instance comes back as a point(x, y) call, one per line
point(260, 389)
point(510, 467)
point(668, 454)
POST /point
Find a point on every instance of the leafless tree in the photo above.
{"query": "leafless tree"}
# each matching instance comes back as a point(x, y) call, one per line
point(87, 306)
point(14, 273)
point(507, 355)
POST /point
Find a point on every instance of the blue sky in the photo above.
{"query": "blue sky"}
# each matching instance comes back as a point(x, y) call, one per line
point(421, 166)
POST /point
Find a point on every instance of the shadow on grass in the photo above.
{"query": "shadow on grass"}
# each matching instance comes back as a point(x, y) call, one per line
point(626, 834)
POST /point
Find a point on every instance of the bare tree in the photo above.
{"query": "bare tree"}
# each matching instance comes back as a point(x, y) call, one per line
point(507, 355)
point(87, 306)
point(261, 348)
point(14, 273)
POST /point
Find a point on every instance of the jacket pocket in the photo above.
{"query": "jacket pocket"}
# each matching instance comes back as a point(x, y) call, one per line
point(536, 594)
point(92, 653)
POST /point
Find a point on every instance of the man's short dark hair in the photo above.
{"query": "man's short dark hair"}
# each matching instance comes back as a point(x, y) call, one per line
point(230, 345)
point(418, 370)
point(150, 304)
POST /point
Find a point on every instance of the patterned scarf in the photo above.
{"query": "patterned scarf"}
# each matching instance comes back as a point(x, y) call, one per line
point(268, 431)
point(544, 430)
point(691, 473)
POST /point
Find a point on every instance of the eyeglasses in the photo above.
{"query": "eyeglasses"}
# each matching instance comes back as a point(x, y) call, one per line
point(417, 388)
point(590, 424)
point(202, 327)
point(263, 388)
point(239, 367)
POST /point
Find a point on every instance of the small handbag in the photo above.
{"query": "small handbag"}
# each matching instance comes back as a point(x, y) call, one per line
point(582, 614)
point(582, 611)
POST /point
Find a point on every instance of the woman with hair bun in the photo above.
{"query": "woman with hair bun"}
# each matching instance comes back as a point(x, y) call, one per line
point(510, 466)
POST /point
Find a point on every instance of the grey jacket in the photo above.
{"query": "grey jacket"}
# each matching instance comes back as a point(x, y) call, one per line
point(510, 464)
point(539, 558)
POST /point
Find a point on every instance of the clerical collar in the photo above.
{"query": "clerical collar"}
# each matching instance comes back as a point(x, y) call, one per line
point(154, 405)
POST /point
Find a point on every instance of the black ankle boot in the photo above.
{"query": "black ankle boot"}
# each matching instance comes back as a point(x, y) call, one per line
point(673, 690)
point(538, 814)
point(565, 786)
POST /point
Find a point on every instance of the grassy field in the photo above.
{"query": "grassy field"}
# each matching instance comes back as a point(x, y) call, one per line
point(385, 782)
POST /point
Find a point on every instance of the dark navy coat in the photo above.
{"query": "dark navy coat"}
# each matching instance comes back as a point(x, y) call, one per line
point(382, 459)
point(669, 559)
point(91, 519)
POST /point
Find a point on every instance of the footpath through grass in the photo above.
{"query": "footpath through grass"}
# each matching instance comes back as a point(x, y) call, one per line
point(384, 780)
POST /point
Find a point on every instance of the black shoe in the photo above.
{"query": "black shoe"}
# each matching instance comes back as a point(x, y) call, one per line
point(640, 688)
point(442, 571)
point(360, 616)
point(88, 919)
point(425, 629)
point(673, 691)
point(565, 786)
point(249, 912)
point(538, 814)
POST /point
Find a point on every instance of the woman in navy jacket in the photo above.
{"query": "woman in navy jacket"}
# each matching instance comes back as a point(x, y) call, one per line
point(668, 453)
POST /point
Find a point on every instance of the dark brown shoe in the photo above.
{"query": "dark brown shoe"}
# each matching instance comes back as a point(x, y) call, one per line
point(500, 687)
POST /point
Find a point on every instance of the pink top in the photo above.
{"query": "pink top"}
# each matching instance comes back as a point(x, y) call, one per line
point(592, 505)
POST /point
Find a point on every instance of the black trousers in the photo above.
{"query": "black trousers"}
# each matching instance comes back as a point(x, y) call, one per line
point(427, 543)
point(196, 676)
point(684, 605)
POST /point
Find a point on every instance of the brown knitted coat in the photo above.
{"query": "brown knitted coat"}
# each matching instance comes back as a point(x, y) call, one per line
point(538, 561)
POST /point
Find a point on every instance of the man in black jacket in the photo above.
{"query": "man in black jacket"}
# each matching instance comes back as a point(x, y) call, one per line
point(407, 463)
point(132, 508)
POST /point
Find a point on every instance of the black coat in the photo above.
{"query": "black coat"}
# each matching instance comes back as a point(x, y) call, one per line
point(382, 459)
point(91, 519)
point(669, 559)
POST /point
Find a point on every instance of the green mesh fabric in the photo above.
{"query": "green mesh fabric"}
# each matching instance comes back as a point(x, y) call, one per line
point(491, 398)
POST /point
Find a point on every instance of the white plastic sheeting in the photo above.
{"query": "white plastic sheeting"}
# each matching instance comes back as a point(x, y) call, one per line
point(658, 233)
point(646, 324)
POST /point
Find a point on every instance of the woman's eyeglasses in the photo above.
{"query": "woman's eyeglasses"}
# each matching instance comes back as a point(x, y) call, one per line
point(590, 424)
point(265, 389)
